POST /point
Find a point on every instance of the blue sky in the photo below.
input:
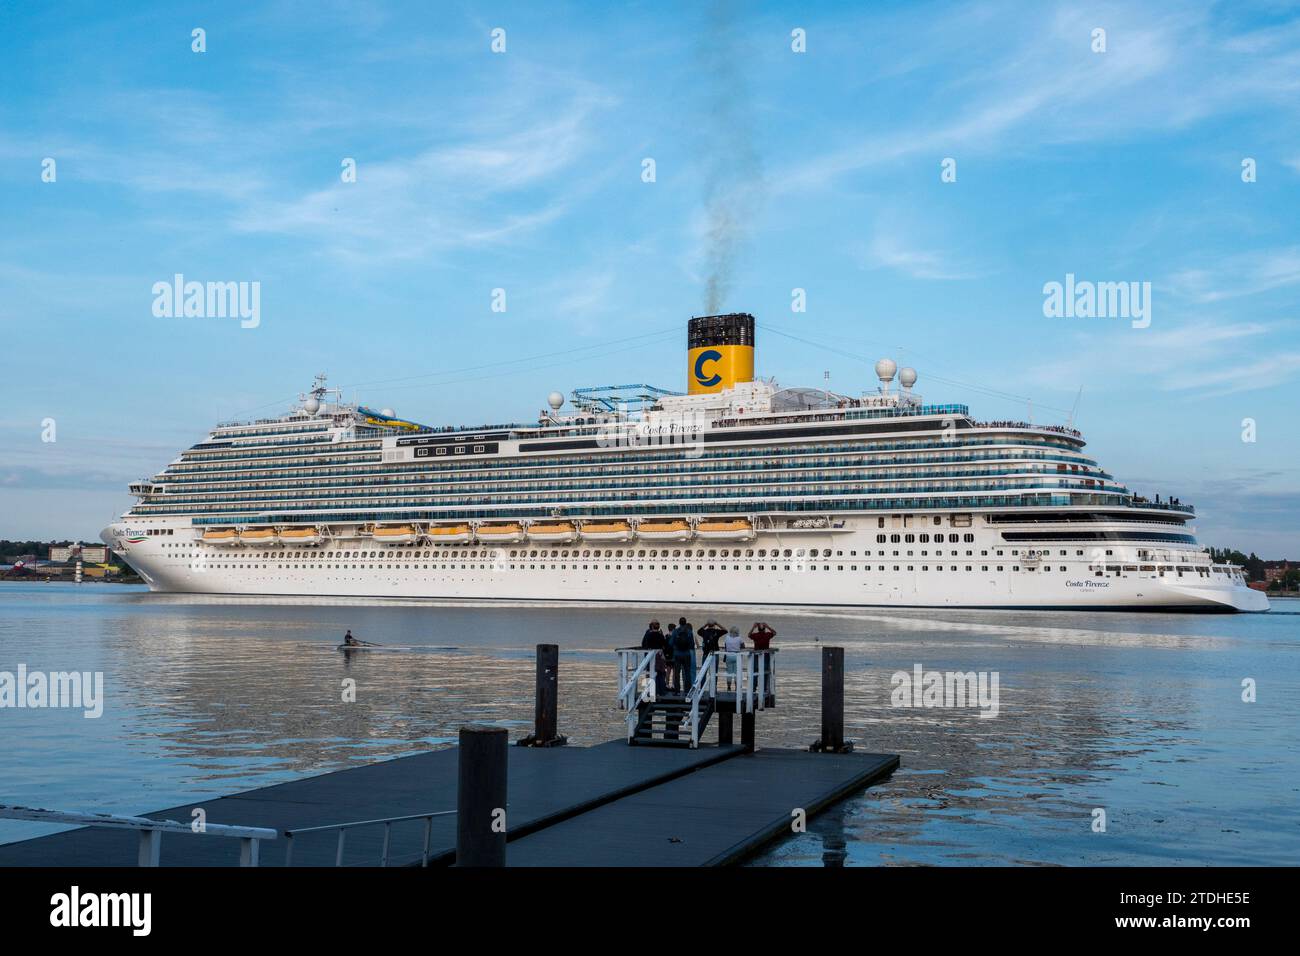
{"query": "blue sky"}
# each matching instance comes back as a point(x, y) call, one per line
point(522, 171)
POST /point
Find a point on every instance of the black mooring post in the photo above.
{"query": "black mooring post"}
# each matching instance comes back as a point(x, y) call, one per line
point(481, 797)
point(725, 737)
point(832, 738)
point(747, 731)
point(545, 720)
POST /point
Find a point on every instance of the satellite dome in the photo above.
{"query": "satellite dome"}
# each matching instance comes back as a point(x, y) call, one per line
point(555, 400)
point(312, 405)
point(907, 377)
point(885, 369)
point(388, 413)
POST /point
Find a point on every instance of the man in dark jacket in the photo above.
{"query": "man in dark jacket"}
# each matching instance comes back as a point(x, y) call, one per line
point(710, 635)
point(684, 651)
point(654, 639)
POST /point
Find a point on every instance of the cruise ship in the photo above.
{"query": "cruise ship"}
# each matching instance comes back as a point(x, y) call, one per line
point(736, 491)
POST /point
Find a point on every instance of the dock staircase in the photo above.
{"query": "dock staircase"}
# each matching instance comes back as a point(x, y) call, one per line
point(680, 721)
point(660, 722)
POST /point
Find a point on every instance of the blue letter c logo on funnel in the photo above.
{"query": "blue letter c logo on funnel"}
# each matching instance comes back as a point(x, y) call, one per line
point(712, 355)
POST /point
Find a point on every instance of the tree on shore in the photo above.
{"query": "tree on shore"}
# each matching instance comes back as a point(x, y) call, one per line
point(1253, 563)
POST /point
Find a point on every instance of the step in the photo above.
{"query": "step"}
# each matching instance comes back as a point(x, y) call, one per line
point(660, 742)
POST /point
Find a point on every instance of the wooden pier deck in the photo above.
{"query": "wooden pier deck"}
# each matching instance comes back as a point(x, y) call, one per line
point(608, 805)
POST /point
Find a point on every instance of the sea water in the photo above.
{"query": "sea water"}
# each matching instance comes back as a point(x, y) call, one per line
point(1117, 738)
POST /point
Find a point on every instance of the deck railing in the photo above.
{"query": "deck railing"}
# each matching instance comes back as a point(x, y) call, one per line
point(150, 831)
point(704, 688)
point(755, 678)
point(636, 683)
point(291, 836)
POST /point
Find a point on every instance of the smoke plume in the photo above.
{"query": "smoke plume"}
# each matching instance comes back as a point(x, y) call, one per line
point(733, 174)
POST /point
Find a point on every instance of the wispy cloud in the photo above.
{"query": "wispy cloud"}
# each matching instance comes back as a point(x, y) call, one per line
point(474, 192)
point(1046, 87)
point(1265, 372)
point(1212, 357)
point(1238, 275)
point(888, 251)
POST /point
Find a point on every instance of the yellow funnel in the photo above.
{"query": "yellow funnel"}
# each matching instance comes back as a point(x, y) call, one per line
point(720, 351)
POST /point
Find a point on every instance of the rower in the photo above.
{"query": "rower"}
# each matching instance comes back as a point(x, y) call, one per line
point(349, 640)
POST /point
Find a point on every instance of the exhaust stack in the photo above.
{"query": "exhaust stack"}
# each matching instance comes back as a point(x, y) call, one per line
point(720, 350)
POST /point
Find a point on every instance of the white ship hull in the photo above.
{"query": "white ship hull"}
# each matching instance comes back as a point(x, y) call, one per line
point(850, 574)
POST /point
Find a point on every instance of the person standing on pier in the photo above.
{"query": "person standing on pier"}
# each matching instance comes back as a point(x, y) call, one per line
point(733, 645)
point(661, 674)
point(684, 653)
point(761, 635)
point(710, 634)
point(654, 639)
point(674, 675)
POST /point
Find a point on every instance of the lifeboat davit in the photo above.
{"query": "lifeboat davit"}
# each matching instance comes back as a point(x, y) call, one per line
point(561, 531)
point(300, 536)
point(225, 537)
point(731, 529)
point(501, 533)
point(395, 534)
point(607, 530)
point(447, 533)
point(259, 537)
point(678, 530)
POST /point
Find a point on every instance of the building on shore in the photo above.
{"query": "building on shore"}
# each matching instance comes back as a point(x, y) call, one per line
point(97, 553)
point(1278, 570)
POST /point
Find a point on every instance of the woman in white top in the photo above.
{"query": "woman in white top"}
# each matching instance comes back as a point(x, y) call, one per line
point(731, 644)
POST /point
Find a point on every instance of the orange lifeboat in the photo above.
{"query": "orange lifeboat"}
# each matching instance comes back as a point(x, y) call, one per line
point(607, 530)
point(449, 534)
point(259, 537)
point(500, 533)
point(734, 529)
point(661, 530)
point(559, 531)
point(394, 534)
point(299, 537)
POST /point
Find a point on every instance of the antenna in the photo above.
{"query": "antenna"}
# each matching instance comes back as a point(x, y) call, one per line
point(1075, 407)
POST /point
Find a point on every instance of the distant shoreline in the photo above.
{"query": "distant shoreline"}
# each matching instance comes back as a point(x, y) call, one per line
point(61, 579)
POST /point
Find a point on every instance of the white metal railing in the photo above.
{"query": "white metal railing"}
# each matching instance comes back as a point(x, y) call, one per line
point(290, 836)
point(705, 687)
point(754, 673)
point(636, 683)
point(151, 831)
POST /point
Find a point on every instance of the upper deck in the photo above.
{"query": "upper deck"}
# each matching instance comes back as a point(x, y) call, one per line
point(751, 448)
